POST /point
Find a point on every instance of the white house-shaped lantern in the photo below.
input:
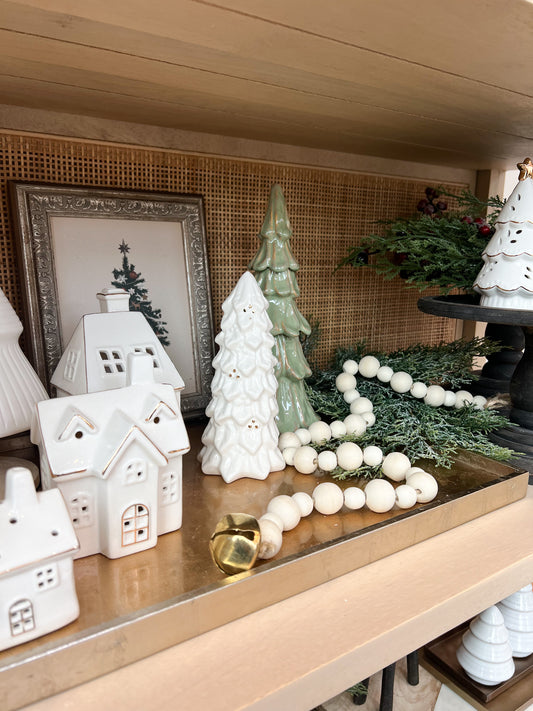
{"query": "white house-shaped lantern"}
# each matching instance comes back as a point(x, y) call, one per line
point(37, 547)
point(96, 357)
point(116, 457)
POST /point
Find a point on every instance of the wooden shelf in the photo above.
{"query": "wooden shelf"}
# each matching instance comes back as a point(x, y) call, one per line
point(308, 648)
point(349, 593)
point(360, 78)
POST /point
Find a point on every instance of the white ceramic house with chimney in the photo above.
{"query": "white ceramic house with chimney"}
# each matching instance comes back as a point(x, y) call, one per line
point(116, 456)
point(37, 547)
point(96, 356)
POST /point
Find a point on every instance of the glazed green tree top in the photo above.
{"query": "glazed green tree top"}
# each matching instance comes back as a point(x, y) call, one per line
point(275, 266)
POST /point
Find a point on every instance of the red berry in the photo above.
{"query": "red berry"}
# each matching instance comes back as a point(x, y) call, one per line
point(479, 221)
point(133, 275)
point(469, 220)
point(398, 258)
point(428, 210)
point(441, 205)
point(422, 205)
point(485, 230)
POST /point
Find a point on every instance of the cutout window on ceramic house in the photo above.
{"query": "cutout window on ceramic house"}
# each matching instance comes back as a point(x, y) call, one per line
point(150, 350)
point(71, 364)
point(135, 471)
point(81, 508)
point(161, 413)
point(169, 488)
point(135, 524)
point(112, 360)
point(77, 427)
point(46, 577)
point(21, 617)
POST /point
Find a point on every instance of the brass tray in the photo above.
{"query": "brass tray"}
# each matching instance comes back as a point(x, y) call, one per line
point(140, 604)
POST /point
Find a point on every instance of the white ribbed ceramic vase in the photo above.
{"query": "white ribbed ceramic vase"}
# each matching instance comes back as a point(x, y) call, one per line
point(20, 388)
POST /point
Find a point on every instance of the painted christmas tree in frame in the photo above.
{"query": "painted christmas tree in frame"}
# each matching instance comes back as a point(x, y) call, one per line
point(129, 279)
point(241, 437)
point(275, 271)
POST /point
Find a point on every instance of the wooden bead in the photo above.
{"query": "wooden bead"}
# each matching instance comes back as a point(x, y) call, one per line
point(328, 498)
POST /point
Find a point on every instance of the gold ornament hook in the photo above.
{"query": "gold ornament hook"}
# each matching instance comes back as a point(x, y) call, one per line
point(525, 168)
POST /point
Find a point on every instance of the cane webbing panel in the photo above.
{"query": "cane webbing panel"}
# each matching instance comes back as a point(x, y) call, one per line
point(329, 211)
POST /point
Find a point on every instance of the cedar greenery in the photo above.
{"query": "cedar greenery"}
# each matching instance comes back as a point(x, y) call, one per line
point(435, 248)
point(404, 423)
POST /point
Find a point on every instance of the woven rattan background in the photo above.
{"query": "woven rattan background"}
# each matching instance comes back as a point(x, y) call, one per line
point(329, 212)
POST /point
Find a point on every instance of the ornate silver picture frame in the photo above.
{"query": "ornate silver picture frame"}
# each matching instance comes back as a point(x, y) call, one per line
point(74, 241)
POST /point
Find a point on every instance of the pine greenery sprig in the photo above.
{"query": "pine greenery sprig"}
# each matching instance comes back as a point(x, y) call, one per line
point(440, 248)
point(404, 423)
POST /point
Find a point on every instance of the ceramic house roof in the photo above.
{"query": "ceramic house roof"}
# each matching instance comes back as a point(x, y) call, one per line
point(33, 526)
point(82, 434)
point(96, 356)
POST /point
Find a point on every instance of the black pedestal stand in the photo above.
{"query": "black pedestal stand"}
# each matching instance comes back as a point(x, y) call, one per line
point(498, 370)
point(517, 436)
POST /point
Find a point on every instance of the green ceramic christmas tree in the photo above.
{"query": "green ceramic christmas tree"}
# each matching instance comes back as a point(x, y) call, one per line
point(275, 270)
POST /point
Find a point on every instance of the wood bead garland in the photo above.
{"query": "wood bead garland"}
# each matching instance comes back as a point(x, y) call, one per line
point(401, 382)
point(284, 512)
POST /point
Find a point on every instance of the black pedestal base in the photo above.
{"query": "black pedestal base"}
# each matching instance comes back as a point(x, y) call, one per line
point(518, 437)
point(489, 387)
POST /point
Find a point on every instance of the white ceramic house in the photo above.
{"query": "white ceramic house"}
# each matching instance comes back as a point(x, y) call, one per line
point(116, 456)
point(96, 357)
point(37, 547)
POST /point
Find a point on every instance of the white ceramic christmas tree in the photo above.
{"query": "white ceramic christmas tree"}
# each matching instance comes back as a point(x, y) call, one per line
point(485, 653)
point(506, 278)
point(517, 611)
point(20, 388)
point(241, 438)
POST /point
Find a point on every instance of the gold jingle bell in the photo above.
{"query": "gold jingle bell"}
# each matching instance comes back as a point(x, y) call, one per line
point(234, 543)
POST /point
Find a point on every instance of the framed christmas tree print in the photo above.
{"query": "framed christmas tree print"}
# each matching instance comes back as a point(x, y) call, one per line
point(75, 241)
